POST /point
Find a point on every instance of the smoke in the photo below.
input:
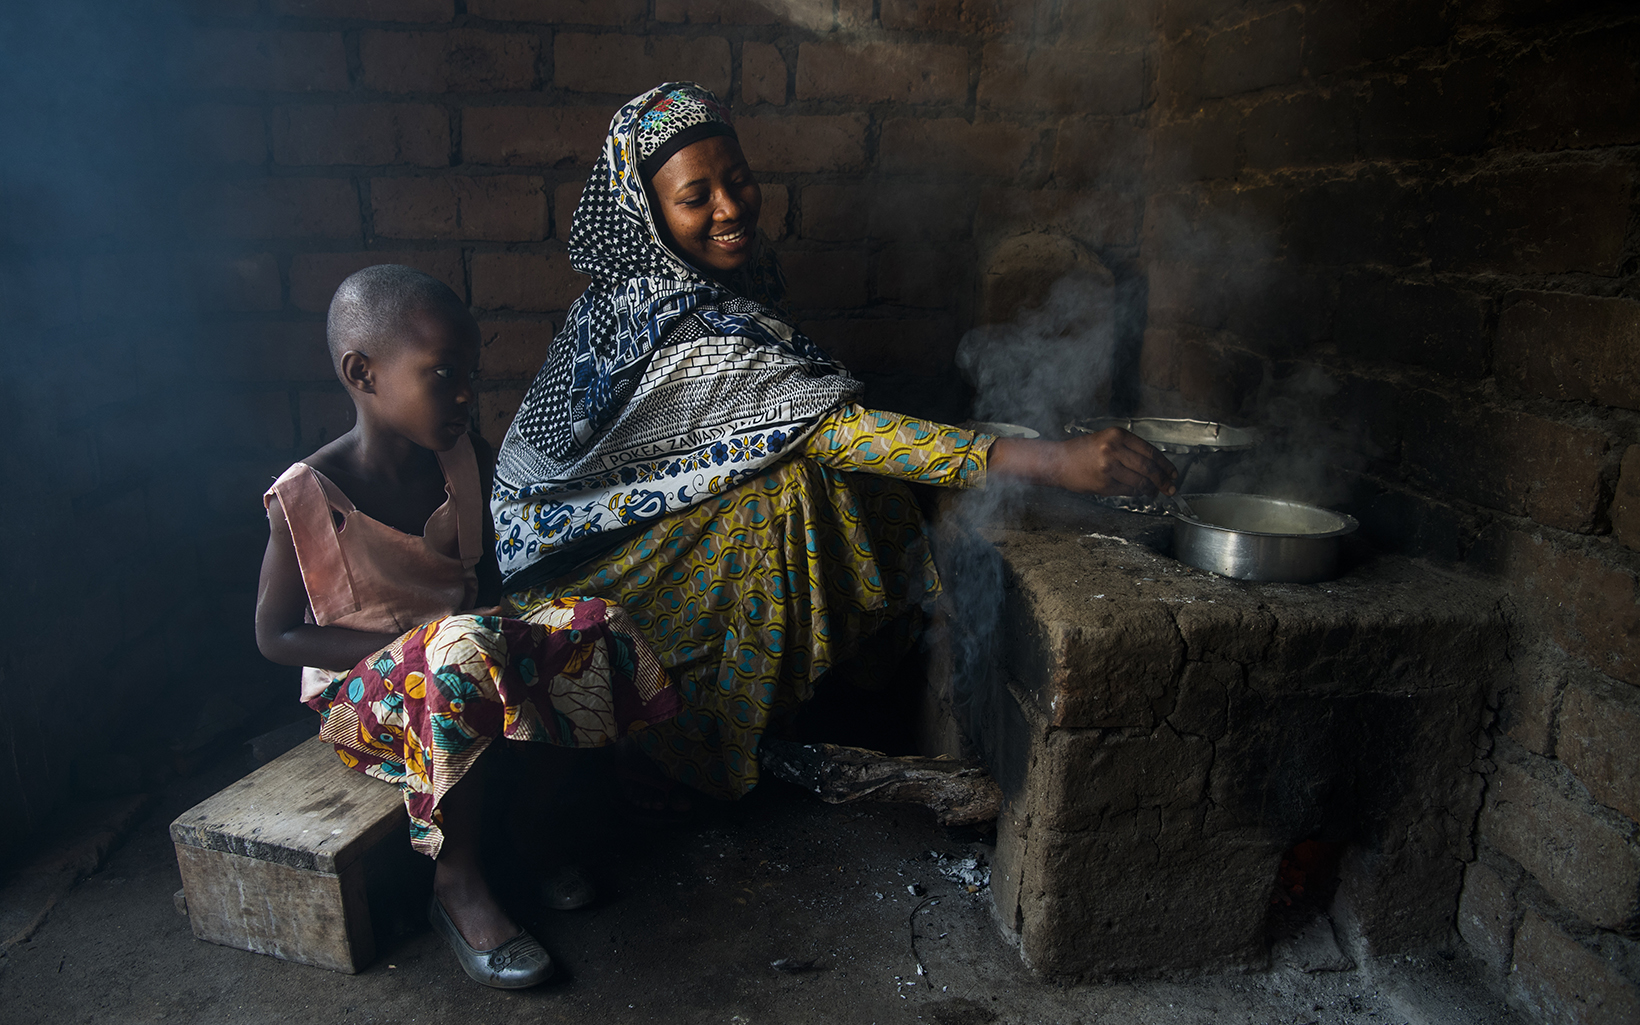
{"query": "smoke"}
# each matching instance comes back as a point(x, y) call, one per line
point(969, 627)
point(816, 16)
point(1315, 443)
point(1043, 355)
point(1049, 364)
point(1050, 361)
point(1096, 23)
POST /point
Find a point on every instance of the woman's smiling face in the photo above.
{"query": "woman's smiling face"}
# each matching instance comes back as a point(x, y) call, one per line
point(708, 201)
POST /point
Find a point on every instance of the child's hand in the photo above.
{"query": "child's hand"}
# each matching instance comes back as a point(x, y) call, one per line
point(491, 610)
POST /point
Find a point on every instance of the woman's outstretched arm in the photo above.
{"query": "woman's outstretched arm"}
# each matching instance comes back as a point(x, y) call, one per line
point(1112, 462)
point(852, 437)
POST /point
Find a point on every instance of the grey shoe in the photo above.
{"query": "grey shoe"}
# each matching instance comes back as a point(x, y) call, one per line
point(519, 963)
point(567, 888)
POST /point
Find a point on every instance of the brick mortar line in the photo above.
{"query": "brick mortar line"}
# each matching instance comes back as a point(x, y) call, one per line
point(546, 64)
point(367, 210)
point(1423, 170)
point(1530, 896)
point(456, 124)
point(1595, 546)
point(1613, 420)
point(551, 96)
point(1620, 425)
point(1601, 549)
point(1551, 770)
point(878, 310)
point(1490, 285)
point(875, 34)
point(1392, 471)
point(561, 99)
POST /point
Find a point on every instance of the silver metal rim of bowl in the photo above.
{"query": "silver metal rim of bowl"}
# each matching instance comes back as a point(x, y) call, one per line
point(1347, 524)
point(1261, 556)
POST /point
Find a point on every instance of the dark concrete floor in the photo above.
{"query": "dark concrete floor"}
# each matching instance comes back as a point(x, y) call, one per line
point(688, 923)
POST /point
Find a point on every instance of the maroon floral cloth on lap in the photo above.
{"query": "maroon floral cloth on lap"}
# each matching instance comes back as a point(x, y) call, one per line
point(419, 712)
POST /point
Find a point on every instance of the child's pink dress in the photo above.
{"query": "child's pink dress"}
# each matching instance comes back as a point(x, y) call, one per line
point(419, 712)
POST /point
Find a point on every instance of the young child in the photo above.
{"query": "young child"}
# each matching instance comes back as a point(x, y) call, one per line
point(381, 578)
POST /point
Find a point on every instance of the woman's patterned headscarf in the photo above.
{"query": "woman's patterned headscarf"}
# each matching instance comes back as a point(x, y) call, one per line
point(614, 238)
point(614, 386)
point(679, 118)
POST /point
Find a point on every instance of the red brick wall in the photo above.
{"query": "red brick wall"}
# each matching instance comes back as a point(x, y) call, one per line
point(285, 143)
point(457, 140)
point(1434, 205)
point(893, 151)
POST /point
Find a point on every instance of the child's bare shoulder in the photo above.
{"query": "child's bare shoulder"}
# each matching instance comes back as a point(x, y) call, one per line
point(334, 458)
point(330, 459)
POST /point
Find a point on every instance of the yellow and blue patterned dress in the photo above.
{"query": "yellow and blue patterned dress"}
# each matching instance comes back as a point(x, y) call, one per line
point(751, 597)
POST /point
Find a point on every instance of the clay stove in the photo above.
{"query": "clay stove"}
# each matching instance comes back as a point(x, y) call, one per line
point(1164, 736)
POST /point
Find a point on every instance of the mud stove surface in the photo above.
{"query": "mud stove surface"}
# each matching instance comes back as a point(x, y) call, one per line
point(1164, 737)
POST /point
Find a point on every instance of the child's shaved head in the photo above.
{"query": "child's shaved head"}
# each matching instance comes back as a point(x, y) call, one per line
point(372, 307)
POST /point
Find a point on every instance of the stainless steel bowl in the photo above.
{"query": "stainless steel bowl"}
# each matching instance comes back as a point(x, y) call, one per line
point(1253, 537)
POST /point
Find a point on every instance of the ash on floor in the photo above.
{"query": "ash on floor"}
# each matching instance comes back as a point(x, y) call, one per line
point(778, 909)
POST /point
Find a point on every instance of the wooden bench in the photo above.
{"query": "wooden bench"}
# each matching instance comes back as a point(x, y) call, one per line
point(304, 859)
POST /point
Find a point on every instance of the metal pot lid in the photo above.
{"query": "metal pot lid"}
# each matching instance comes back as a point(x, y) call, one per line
point(1184, 437)
point(1263, 516)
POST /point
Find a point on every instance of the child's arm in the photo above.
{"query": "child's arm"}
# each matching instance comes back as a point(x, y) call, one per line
point(489, 567)
point(282, 633)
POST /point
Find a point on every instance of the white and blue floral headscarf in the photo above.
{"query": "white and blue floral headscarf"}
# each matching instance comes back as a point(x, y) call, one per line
point(667, 386)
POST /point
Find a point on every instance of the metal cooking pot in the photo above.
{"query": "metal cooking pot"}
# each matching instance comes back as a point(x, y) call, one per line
point(1253, 537)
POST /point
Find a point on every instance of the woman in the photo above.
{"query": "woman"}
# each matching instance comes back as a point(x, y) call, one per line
point(687, 454)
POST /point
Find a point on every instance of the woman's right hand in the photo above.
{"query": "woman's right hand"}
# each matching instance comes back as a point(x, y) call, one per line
point(1115, 462)
point(1111, 462)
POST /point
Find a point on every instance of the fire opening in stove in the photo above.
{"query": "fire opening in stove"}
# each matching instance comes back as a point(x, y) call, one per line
point(1299, 928)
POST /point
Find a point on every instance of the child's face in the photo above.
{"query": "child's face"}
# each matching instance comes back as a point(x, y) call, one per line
point(424, 388)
